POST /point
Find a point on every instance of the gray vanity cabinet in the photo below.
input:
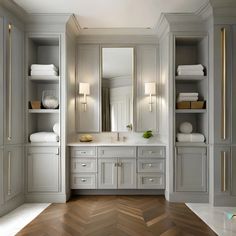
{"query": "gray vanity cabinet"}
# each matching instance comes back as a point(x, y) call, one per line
point(191, 169)
point(107, 173)
point(14, 85)
point(43, 169)
point(13, 172)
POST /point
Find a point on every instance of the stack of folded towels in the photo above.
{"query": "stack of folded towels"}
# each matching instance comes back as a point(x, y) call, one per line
point(44, 70)
point(187, 97)
point(186, 134)
point(190, 70)
point(46, 137)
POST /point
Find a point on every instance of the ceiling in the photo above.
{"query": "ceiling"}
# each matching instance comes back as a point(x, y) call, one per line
point(117, 62)
point(113, 13)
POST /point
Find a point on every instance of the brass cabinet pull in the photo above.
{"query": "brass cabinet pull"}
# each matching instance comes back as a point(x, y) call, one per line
point(9, 175)
point(223, 171)
point(9, 137)
point(223, 85)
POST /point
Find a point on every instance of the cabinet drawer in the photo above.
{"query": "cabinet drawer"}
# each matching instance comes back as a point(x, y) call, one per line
point(117, 151)
point(151, 181)
point(84, 152)
point(43, 150)
point(83, 165)
point(83, 181)
point(151, 152)
point(151, 165)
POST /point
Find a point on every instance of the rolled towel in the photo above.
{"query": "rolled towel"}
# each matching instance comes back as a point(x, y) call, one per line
point(43, 67)
point(44, 72)
point(198, 67)
point(45, 137)
point(190, 72)
point(186, 128)
point(56, 129)
point(188, 94)
point(194, 137)
point(187, 99)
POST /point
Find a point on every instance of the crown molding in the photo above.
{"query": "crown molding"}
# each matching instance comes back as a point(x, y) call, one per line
point(72, 27)
point(14, 9)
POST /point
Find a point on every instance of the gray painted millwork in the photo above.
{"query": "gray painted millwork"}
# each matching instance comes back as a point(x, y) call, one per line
point(11, 113)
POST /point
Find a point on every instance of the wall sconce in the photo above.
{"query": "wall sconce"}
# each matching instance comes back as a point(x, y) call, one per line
point(84, 89)
point(150, 89)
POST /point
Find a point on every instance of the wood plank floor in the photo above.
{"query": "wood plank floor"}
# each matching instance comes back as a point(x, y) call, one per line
point(117, 216)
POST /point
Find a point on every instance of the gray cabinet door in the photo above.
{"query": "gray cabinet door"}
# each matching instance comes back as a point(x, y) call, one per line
point(14, 85)
point(107, 173)
point(1, 177)
point(1, 80)
point(191, 169)
point(234, 87)
point(219, 104)
point(127, 177)
point(13, 171)
point(233, 172)
point(43, 170)
point(88, 72)
point(147, 71)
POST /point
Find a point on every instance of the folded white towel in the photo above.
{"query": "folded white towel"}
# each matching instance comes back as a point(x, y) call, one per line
point(190, 72)
point(194, 137)
point(198, 67)
point(187, 99)
point(43, 67)
point(44, 72)
point(188, 94)
point(45, 137)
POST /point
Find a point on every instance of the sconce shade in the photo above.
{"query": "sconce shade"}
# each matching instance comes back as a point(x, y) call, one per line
point(150, 88)
point(84, 88)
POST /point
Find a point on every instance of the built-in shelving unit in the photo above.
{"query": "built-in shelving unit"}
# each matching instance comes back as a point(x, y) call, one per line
point(191, 50)
point(41, 49)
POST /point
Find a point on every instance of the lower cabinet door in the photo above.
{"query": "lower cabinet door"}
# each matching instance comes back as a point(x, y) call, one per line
point(1, 177)
point(13, 171)
point(233, 164)
point(126, 173)
point(43, 170)
point(107, 173)
point(191, 169)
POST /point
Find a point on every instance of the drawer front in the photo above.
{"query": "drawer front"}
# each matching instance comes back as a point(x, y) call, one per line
point(151, 165)
point(43, 150)
point(83, 181)
point(151, 181)
point(84, 152)
point(80, 165)
point(151, 152)
point(117, 152)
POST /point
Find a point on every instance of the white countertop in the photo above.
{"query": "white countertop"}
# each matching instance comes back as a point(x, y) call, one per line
point(118, 143)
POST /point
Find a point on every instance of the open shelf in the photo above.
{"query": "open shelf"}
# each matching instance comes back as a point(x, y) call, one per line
point(44, 111)
point(44, 79)
point(190, 144)
point(190, 111)
point(189, 78)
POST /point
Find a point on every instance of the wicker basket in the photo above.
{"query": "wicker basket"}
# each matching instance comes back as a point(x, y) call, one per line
point(197, 105)
point(35, 104)
point(183, 105)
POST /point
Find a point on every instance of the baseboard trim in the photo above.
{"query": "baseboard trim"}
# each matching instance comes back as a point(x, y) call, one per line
point(189, 197)
point(45, 198)
point(117, 192)
point(229, 201)
point(11, 204)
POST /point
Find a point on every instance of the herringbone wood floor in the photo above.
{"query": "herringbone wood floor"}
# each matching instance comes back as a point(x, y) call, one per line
point(117, 216)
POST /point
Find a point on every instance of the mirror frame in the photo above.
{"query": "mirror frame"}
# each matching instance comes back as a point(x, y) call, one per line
point(133, 84)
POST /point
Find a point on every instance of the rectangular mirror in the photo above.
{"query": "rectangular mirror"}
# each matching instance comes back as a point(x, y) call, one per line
point(117, 89)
